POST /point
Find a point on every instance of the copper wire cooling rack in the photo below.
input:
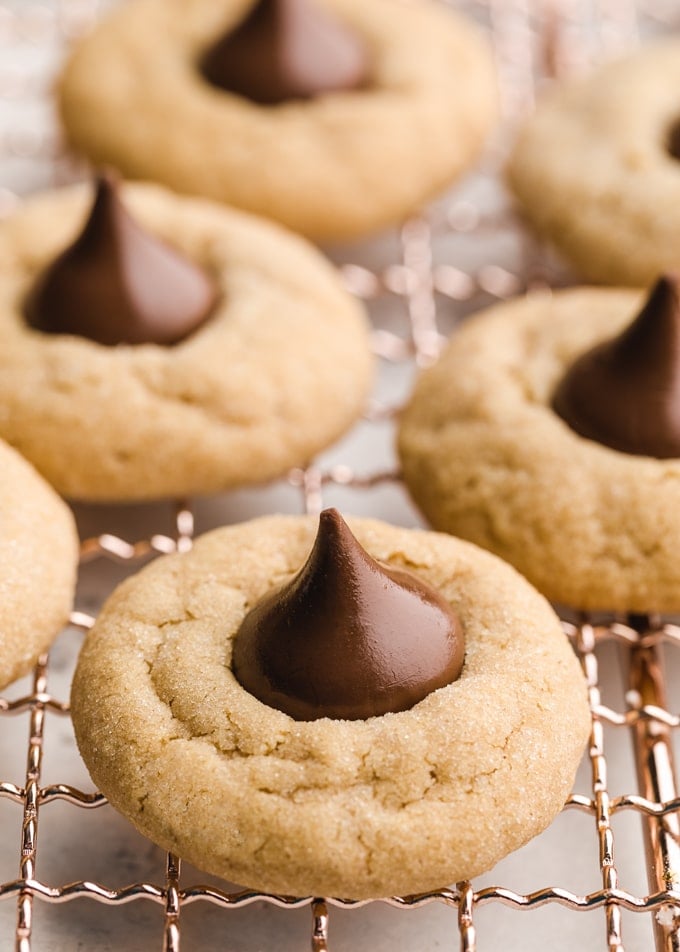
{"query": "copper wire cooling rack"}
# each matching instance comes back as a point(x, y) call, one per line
point(466, 251)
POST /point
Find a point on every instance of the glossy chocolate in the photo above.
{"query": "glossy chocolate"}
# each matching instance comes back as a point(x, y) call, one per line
point(348, 637)
point(119, 284)
point(625, 392)
point(286, 49)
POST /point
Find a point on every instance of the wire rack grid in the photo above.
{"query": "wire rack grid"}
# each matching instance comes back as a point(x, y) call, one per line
point(467, 250)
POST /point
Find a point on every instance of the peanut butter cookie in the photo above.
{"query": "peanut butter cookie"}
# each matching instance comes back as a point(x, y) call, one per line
point(38, 558)
point(379, 804)
point(548, 433)
point(334, 117)
point(597, 168)
point(160, 346)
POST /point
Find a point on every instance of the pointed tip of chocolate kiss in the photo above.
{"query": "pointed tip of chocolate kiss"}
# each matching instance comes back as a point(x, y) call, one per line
point(333, 528)
point(331, 519)
point(107, 182)
point(118, 283)
point(105, 210)
point(624, 393)
point(106, 188)
point(285, 50)
point(347, 637)
point(665, 294)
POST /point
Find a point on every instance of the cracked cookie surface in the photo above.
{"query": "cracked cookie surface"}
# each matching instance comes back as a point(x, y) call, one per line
point(394, 804)
point(279, 371)
point(593, 170)
point(487, 458)
point(38, 559)
point(333, 167)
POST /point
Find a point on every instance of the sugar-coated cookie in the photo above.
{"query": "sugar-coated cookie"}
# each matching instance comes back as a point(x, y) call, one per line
point(597, 168)
point(271, 364)
point(331, 165)
point(38, 559)
point(403, 802)
point(549, 439)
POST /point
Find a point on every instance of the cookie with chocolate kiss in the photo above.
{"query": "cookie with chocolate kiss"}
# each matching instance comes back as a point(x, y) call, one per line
point(291, 109)
point(625, 392)
point(238, 773)
point(549, 433)
point(161, 346)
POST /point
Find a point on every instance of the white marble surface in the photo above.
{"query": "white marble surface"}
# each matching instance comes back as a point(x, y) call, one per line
point(98, 845)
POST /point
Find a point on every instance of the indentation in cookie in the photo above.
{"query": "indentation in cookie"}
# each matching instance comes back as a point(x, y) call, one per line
point(348, 637)
point(285, 50)
point(625, 392)
point(119, 284)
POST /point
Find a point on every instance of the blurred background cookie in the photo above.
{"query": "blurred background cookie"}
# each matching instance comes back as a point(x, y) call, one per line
point(335, 117)
point(597, 168)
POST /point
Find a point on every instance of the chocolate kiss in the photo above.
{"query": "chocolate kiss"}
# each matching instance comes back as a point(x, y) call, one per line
point(348, 637)
point(119, 284)
point(625, 392)
point(286, 49)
